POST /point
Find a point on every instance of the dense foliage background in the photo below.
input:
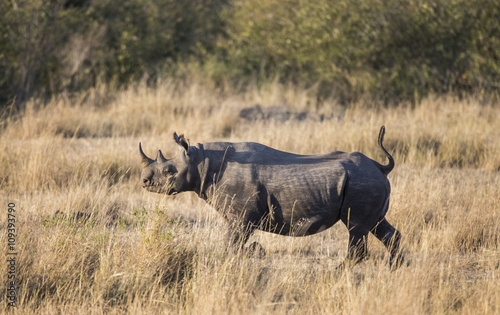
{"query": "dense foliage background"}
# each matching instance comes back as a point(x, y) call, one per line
point(379, 50)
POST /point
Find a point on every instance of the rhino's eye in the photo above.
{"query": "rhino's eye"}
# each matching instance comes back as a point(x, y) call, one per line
point(169, 170)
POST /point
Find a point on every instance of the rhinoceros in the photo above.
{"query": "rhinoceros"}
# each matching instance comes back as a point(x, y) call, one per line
point(257, 187)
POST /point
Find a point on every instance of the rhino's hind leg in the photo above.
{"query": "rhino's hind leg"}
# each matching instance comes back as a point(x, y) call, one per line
point(357, 249)
point(391, 238)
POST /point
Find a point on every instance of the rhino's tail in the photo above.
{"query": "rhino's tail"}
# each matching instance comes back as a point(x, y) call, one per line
point(386, 169)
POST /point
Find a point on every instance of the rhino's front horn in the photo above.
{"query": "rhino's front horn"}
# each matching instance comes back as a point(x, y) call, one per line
point(145, 159)
point(160, 158)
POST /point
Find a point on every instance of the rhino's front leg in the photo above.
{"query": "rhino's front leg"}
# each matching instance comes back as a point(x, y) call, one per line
point(238, 235)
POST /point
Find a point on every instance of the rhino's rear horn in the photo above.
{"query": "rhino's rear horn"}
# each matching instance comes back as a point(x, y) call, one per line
point(145, 160)
point(160, 158)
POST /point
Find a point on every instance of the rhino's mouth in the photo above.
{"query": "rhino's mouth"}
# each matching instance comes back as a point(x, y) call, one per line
point(162, 188)
point(154, 187)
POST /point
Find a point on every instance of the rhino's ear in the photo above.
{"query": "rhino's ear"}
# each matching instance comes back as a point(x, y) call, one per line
point(182, 143)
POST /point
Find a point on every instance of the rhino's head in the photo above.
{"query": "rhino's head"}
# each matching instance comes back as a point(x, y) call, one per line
point(170, 176)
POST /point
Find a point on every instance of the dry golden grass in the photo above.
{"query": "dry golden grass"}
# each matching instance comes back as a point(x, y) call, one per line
point(90, 240)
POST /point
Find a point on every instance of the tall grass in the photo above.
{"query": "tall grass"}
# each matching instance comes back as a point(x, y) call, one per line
point(90, 240)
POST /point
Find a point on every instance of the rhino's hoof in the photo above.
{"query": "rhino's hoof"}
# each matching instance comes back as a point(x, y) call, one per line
point(256, 250)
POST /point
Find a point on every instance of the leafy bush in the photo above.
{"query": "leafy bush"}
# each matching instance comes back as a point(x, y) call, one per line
point(388, 50)
point(53, 46)
point(382, 50)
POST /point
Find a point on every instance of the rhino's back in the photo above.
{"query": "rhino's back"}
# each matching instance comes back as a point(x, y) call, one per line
point(259, 154)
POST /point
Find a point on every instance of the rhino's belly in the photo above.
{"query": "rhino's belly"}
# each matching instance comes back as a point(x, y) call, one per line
point(302, 227)
point(299, 219)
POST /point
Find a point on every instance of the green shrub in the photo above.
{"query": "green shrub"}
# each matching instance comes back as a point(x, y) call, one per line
point(377, 50)
point(386, 50)
point(54, 46)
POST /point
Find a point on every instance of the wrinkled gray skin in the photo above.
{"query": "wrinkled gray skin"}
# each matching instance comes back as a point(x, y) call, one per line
point(256, 187)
